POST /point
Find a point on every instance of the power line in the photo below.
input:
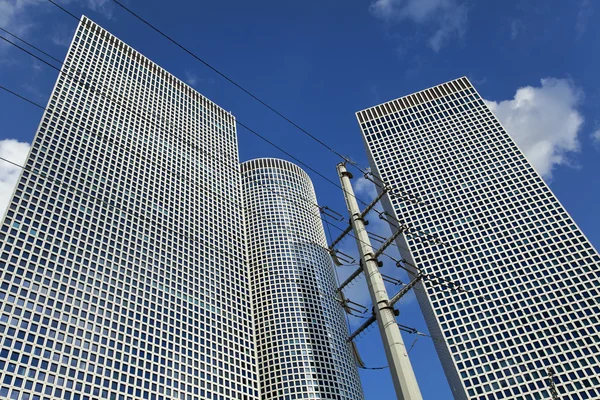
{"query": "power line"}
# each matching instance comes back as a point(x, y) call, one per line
point(65, 10)
point(337, 276)
point(130, 110)
point(23, 98)
point(236, 84)
point(72, 77)
point(110, 99)
point(53, 180)
point(230, 80)
point(214, 69)
point(83, 193)
point(249, 93)
point(29, 44)
point(218, 72)
point(108, 205)
point(135, 215)
point(111, 142)
point(435, 240)
point(374, 368)
point(93, 89)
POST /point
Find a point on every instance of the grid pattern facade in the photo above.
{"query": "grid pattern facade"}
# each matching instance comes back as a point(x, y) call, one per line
point(300, 328)
point(534, 277)
point(122, 266)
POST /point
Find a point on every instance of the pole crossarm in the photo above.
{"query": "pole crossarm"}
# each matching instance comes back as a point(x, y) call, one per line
point(351, 278)
point(359, 270)
point(392, 301)
point(361, 328)
point(390, 240)
point(331, 213)
point(406, 289)
point(362, 215)
point(373, 203)
point(339, 239)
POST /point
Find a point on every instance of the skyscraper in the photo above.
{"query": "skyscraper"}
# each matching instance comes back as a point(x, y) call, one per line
point(300, 328)
point(533, 277)
point(123, 271)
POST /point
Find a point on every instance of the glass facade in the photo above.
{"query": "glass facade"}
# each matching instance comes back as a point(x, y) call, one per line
point(533, 277)
point(300, 328)
point(122, 261)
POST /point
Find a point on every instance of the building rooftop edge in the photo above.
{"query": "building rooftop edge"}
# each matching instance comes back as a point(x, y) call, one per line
point(83, 19)
point(245, 164)
point(418, 92)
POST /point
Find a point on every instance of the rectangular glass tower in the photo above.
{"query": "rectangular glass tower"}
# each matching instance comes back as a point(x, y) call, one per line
point(122, 262)
point(532, 275)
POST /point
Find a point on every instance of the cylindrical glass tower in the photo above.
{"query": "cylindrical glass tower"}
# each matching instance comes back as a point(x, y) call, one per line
point(300, 329)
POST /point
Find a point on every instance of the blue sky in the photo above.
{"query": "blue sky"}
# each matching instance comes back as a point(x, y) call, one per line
point(535, 61)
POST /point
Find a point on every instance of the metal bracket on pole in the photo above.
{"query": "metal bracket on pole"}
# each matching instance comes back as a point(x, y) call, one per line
point(391, 280)
point(361, 328)
point(376, 237)
point(346, 305)
point(331, 213)
point(357, 272)
point(340, 258)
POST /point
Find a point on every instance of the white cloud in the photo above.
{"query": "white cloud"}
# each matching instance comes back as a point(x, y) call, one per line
point(544, 122)
point(9, 174)
point(365, 187)
point(447, 17)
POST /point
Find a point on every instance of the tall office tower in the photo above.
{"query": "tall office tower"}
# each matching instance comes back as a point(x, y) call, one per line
point(300, 328)
point(533, 276)
point(122, 261)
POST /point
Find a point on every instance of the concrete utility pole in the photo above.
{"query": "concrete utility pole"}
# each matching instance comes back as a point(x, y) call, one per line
point(403, 375)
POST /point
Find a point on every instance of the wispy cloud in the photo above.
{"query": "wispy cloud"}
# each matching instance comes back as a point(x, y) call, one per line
point(34, 90)
point(12, 14)
point(444, 19)
point(584, 16)
point(596, 137)
point(191, 78)
point(104, 7)
point(61, 36)
point(15, 14)
point(544, 121)
point(516, 28)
